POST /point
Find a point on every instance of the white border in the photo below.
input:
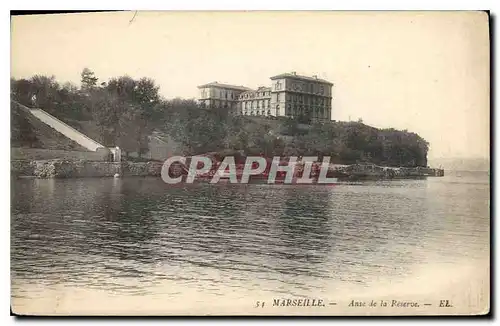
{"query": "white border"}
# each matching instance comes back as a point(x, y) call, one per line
point(259, 5)
point(182, 5)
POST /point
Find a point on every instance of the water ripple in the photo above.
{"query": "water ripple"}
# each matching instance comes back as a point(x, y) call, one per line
point(138, 237)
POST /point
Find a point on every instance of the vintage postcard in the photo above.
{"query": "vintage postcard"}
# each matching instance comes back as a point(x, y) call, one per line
point(278, 163)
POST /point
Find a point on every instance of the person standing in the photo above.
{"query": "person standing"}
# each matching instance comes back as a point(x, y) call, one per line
point(33, 100)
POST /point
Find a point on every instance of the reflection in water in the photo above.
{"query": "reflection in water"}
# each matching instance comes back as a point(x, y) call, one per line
point(139, 236)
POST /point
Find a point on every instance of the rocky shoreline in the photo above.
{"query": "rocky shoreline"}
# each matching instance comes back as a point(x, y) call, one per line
point(61, 168)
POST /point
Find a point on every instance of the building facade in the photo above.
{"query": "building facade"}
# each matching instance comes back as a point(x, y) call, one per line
point(290, 95)
point(215, 95)
point(256, 102)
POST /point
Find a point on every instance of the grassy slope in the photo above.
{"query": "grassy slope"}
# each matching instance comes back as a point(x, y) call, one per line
point(46, 137)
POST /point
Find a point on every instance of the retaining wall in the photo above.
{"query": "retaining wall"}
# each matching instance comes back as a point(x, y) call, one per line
point(82, 169)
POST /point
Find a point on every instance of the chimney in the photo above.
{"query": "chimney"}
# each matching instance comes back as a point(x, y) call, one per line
point(294, 73)
point(315, 76)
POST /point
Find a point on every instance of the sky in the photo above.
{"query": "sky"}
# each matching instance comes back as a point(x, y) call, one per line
point(427, 72)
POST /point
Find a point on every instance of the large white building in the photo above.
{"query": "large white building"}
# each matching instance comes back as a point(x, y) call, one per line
point(290, 95)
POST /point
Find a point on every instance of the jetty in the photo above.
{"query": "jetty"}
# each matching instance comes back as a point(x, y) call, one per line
point(373, 171)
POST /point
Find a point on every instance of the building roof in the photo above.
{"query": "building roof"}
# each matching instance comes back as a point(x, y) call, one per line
point(300, 77)
point(216, 84)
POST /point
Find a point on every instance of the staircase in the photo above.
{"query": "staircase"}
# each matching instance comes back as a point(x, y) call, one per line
point(62, 128)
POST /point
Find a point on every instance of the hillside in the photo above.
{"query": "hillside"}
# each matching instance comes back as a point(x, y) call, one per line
point(29, 132)
point(195, 131)
point(131, 114)
point(202, 131)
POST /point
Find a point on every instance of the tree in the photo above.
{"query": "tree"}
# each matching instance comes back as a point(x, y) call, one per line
point(105, 110)
point(132, 130)
point(21, 90)
point(46, 89)
point(304, 117)
point(88, 79)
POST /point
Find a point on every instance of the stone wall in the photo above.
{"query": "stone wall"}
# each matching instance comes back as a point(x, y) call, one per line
point(82, 169)
point(35, 154)
point(22, 168)
point(141, 168)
